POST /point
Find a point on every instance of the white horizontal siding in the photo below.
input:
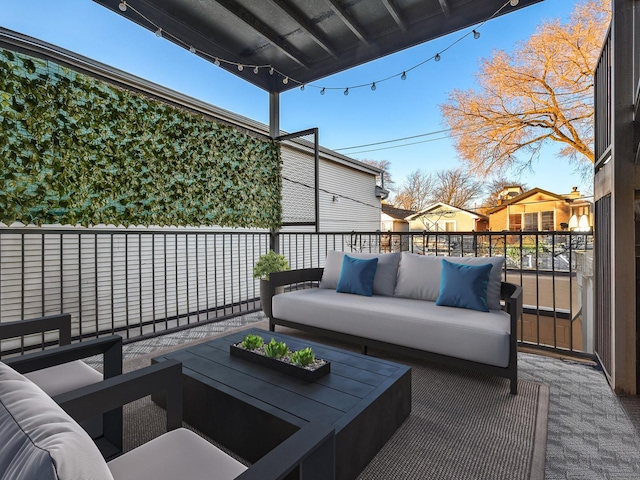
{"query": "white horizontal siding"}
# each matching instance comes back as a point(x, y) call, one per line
point(357, 207)
point(124, 278)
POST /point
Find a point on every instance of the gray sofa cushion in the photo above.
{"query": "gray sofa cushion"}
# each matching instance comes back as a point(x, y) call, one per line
point(419, 276)
point(40, 440)
point(459, 332)
point(384, 282)
point(179, 454)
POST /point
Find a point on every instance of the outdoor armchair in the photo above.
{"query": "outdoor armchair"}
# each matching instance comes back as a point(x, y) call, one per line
point(60, 369)
point(53, 446)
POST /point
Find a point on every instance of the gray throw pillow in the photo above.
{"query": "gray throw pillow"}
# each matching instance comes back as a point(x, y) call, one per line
point(384, 282)
point(39, 439)
point(419, 276)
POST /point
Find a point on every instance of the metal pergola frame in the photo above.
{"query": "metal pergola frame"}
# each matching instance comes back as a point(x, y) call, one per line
point(279, 45)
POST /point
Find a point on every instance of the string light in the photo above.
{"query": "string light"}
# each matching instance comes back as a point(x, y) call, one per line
point(124, 6)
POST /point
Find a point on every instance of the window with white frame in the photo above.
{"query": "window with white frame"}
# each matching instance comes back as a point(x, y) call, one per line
point(531, 221)
point(515, 222)
point(546, 221)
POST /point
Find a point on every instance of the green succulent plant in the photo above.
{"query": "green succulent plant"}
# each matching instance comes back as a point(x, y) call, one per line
point(268, 263)
point(251, 342)
point(303, 357)
point(275, 349)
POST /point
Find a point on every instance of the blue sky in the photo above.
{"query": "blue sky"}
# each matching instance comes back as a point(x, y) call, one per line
point(396, 109)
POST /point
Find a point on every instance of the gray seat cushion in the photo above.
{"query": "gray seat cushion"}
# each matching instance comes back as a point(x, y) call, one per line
point(40, 440)
point(64, 378)
point(176, 455)
point(419, 276)
point(459, 332)
point(384, 282)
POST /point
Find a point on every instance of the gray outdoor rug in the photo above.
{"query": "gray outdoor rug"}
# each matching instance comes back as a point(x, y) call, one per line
point(462, 425)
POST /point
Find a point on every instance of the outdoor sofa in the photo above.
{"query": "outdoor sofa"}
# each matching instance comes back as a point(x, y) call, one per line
point(402, 313)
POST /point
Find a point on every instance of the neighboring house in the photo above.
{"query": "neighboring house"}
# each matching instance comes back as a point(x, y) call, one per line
point(394, 219)
point(441, 217)
point(541, 210)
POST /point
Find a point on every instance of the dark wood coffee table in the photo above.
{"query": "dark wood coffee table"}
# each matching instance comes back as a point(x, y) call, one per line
point(250, 409)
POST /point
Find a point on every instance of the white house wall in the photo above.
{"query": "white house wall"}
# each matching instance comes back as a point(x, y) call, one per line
point(355, 207)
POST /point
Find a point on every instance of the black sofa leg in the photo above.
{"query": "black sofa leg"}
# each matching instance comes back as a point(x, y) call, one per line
point(514, 386)
point(272, 327)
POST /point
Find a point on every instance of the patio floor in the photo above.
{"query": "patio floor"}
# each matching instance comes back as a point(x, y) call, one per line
point(592, 433)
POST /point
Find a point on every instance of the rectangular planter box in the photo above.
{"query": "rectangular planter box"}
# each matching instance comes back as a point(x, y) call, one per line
point(283, 367)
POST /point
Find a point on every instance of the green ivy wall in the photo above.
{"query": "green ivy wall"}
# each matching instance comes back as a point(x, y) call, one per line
point(75, 150)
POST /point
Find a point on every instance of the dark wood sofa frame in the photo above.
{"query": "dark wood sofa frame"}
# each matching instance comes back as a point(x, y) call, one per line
point(510, 293)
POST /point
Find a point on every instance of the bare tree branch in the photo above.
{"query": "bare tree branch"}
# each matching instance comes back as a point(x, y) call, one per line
point(541, 92)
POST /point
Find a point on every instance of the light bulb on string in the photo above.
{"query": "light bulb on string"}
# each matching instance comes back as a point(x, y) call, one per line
point(285, 80)
point(255, 70)
point(192, 49)
point(403, 76)
point(302, 87)
point(240, 67)
point(322, 91)
point(346, 91)
point(123, 6)
point(159, 32)
point(476, 34)
point(271, 71)
point(373, 87)
point(216, 62)
point(437, 57)
point(514, 2)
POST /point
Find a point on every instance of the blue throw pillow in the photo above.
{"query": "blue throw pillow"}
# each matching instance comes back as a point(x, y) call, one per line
point(357, 275)
point(464, 286)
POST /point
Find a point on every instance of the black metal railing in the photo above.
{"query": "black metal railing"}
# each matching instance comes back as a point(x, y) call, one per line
point(602, 104)
point(141, 282)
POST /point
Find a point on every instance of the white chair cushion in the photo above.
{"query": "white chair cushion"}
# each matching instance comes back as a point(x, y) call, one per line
point(40, 440)
point(176, 455)
point(64, 378)
point(384, 282)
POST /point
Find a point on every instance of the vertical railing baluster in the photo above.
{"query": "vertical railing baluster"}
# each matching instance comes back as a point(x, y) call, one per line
point(186, 270)
point(95, 281)
point(140, 281)
point(113, 310)
point(206, 273)
point(166, 280)
point(215, 270)
point(126, 282)
point(80, 285)
point(153, 282)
